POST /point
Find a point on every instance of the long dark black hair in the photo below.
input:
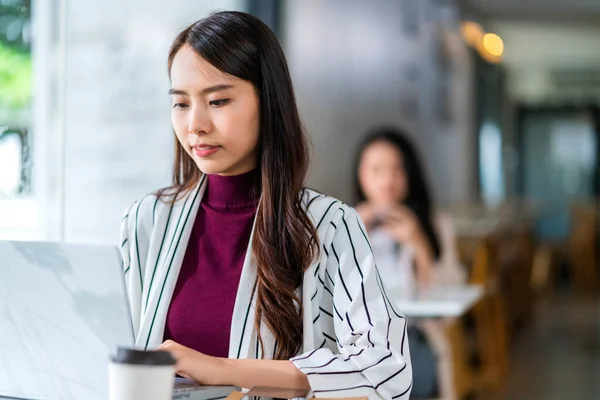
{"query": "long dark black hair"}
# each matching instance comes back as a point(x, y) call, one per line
point(418, 198)
point(285, 240)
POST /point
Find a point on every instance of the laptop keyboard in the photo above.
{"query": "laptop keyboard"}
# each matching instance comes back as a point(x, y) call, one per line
point(185, 385)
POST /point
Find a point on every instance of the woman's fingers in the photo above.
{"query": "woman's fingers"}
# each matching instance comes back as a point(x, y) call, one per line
point(400, 212)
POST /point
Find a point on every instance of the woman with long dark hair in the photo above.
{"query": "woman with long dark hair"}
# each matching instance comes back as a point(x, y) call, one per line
point(413, 244)
point(248, 278)
point(393, 196)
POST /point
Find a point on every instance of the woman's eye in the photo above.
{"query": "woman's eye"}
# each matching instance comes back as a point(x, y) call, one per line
point(218, 103)
point(180, 105)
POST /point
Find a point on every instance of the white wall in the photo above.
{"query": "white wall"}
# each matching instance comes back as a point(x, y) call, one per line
point(348, 60)
point(114, 131)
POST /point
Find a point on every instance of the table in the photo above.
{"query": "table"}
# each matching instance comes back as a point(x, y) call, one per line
point(440, 301)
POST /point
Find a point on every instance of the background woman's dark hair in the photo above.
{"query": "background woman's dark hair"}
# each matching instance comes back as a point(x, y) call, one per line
point(285, 240)
point(418, 198)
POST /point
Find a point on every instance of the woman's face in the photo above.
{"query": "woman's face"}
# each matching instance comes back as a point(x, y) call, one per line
point(215, 115)
point(381, 174)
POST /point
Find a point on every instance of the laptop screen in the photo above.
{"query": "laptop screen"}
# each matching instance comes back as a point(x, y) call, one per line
point(63, 310)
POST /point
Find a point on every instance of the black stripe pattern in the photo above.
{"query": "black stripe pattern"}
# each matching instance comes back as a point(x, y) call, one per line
point(362, 338)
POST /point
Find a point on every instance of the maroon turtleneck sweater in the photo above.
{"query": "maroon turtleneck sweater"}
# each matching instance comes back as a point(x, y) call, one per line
point(201, 309)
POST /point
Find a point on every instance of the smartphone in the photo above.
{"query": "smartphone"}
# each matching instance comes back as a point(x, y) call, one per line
point(377, 222)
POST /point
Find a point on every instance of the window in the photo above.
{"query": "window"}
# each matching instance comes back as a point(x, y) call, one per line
point(490, 164)
point(15, 113)
point(15, 97)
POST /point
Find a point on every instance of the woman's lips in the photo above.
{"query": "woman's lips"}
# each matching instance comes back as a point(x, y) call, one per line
point(205, 151)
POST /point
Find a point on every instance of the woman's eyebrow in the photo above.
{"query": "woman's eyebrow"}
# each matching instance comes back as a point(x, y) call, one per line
point(208, 90)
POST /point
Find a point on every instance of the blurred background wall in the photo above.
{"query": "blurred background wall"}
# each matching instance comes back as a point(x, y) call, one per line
point(117, 142)
point(424, 85)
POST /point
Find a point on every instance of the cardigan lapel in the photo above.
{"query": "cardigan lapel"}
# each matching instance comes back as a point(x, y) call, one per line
point(166, 266)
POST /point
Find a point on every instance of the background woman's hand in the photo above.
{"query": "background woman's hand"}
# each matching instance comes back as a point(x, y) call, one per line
point(368, 214)
point(402, 224)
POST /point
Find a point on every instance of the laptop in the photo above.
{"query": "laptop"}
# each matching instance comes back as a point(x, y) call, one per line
point(63, 310)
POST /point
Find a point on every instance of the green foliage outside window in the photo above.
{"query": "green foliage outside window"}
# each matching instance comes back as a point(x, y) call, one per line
point(15, 77)
point(15, 54)
point(16, 85)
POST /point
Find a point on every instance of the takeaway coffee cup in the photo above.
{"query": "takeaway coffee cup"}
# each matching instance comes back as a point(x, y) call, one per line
point(136, 374)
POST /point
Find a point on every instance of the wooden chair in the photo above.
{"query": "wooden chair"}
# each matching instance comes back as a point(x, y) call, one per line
point(514, 268)
point(490, 328)
point(581, 248)
point(543, 271)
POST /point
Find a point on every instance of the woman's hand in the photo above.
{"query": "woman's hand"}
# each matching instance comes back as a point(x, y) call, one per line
point(208, 370)
point(402, 224)
point(368, 214)
point(194, 365)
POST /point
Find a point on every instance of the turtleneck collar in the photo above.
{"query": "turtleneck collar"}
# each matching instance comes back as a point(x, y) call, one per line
point(232, 192)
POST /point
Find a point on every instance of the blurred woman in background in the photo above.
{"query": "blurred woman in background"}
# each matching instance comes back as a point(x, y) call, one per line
point(413, 245)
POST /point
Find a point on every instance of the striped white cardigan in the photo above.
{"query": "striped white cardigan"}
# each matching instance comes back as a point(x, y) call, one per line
point(354, 341)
